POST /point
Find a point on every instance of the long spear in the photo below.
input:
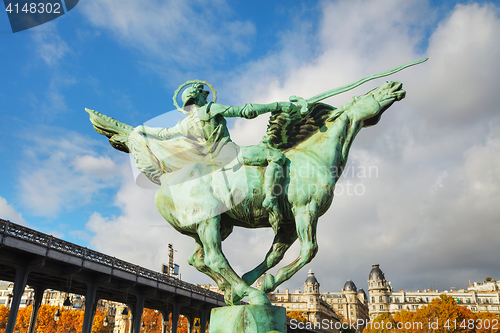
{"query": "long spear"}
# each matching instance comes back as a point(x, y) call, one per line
point(353, 85)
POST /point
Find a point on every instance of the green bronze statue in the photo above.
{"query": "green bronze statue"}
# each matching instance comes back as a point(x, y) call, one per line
point(208, 184)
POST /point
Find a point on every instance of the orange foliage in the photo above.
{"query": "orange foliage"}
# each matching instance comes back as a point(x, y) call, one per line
point(441, 315)
point(152, 321)
point(45, 321)
point(297, 316)
point(23, 319)
point(381, 324)
point(71, 321)
point(4, 315)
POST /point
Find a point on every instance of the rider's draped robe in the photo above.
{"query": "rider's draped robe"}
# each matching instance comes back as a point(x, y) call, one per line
point(201, 137)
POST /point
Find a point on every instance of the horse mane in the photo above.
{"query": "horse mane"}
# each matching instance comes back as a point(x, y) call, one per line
point(287, 130)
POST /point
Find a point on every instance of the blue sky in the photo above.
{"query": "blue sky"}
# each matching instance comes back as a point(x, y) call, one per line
point(430, 216)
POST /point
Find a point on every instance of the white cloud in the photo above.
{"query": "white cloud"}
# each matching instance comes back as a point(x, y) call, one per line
point(173, 30)
point(95, 167)
point(50, 47)
point(7, 212)
point(431, 211)
point(430, 216)
point(58, 171)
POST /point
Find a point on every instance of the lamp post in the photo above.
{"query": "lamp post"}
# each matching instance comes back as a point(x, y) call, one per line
point(57, 315)
point(196, 325)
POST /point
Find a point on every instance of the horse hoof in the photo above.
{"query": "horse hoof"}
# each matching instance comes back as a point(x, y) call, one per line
point(268, 284)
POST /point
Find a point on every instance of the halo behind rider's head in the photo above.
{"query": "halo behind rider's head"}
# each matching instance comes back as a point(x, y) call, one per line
point(194, 95)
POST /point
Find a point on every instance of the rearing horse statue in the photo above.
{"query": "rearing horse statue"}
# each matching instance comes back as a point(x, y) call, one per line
point(205, 201)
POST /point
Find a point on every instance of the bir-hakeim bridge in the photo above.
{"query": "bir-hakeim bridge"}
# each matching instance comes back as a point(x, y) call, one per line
point(28, 257)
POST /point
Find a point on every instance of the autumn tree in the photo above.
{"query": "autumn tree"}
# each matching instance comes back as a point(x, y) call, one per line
point(442, 315)
point(69, 322)
point(297, 315)
point(152, 321)
point(384, 323)
point(4, 315)
point(45, 322)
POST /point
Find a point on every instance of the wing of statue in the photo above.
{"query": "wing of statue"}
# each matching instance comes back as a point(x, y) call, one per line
point(116, 131)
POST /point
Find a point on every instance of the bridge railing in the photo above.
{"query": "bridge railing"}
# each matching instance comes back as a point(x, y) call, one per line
point(14, 230)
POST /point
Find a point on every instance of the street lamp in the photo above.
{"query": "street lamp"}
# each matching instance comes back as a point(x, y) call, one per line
point(124, 313)
point(67, 302)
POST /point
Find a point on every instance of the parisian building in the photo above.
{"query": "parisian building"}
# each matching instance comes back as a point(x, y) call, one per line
point(350, 304)
point(480, 297)
point(347, 305)
point(308, 302)
point(7, 290)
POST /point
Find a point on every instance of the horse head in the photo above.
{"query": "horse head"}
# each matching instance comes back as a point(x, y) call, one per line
point(372, 105)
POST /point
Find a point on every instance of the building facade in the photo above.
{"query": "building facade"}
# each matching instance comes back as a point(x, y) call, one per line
point(350, 304)
point(382, 298)
point(7, 290)
point(313, 305)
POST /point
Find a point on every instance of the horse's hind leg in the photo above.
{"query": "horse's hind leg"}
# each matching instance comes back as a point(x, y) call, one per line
point(285, 237)
point(197, 259)
point(306, 220)
point(210, 237)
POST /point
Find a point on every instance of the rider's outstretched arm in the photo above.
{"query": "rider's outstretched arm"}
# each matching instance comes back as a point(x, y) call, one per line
point(249, 110)
point(160, 132)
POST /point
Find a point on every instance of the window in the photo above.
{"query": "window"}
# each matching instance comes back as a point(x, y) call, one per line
point(311, 298)
point(350, 306)
point(374, 307)
point(380, 299)
point(2, 301)
point(381, 307)
point(373, 299)
point(300, 299)
point(340, 306)
point(352, 313)
point(23, 301)
point(400, 307)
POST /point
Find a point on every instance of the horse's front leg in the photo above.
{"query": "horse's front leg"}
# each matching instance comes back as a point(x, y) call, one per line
point(285, 237)
point(306, 220)
point(210, 237)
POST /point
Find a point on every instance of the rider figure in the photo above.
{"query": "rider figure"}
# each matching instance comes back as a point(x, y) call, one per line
point(206, 121)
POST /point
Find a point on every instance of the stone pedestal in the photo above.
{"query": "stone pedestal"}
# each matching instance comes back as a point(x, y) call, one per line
point(248, 319)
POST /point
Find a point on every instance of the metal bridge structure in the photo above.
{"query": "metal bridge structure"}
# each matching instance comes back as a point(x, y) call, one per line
point(29, 257)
